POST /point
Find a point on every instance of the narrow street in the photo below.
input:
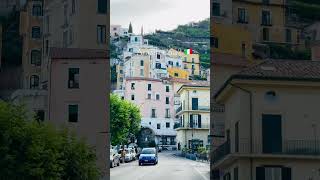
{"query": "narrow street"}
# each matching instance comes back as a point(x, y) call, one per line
point(170, 167)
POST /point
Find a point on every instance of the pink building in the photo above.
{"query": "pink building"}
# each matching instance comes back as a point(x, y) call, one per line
point(156, 101)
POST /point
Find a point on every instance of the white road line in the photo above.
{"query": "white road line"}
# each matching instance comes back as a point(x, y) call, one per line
point(203, 176)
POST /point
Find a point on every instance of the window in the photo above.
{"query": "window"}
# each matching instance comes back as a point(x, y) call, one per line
point(121, 71)
point(266, 2)
point(73, 113)
point(153, 113)
point(167, 125)
point(102, 6)
point(149, 87)
point(158, 66)
point(132, 97)
point(47, 47)
point(149, 96)
point(36, 33)
point(167, 89)
point(34, 82)
point(170, 63)
point(266, 18)
point(73, 6)
point(176, 74)
point(243, 49)
point(121, 79)
point(141, 72)
point(65, 39)
point(157, 96)
point(73, 82)
point(216, 9)
point(36, 10)
point(236, 137)
point(65, 13)
point(101, 34)
point(288, 36)
point(39, 115)
point(133, 86)
point(236, 174)
point(185, 59)
point(242, 15)
point(273, 173)
point(177, 64)
point(265, 34)
point(167, 113)
point(167, 100)
point(158, 126)
point(215, 42)
point(141, 63)
point(70, 36)
point(227, 176)
point(36, 57)
point(158, 56)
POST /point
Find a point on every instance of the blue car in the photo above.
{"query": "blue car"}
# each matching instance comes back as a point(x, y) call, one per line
point(148, 156)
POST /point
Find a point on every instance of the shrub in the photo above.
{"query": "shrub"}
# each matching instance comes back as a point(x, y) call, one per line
point(32, 150)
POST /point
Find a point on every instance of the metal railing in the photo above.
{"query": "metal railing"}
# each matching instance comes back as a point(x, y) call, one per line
point(288, 147)
point(179, 109)
point(199, 108)
point(194, 126)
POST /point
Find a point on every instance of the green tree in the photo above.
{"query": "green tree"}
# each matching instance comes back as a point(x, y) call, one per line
point(130, 28)
point(125, 119)
point(32, 150)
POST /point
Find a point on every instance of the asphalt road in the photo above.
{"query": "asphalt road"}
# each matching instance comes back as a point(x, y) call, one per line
point(169, 166)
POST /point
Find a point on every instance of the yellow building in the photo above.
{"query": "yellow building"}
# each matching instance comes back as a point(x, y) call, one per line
point(190, 62)
point(266, 20)
point(31, 32)
point(194, 115)
point(232, 39)
point(178, 73)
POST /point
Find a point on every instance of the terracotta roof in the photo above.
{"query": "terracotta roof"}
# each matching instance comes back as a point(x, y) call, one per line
point(178, 80)
point(78, 53)
point(229, 59)
point(142, 78)
point(283, 70)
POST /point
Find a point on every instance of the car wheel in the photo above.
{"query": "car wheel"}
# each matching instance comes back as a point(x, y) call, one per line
point(118, 164)
point(140, 164)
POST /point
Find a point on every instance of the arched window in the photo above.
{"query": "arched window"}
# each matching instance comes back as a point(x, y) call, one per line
point(34, 82)
point(35, 57)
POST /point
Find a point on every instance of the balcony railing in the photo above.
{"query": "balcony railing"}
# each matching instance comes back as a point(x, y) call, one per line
point(199, 108)
point(195, 126)
point(179, 109)
point(289, 147)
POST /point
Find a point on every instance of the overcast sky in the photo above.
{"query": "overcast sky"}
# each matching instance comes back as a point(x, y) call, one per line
point(157, 14)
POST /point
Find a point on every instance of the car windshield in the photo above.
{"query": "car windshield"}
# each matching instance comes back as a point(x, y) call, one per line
point(148, 151)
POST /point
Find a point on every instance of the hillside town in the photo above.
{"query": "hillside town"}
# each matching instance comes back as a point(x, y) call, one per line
point(162, 83)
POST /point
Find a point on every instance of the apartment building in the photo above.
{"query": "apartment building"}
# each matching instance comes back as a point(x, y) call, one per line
point(177, 72)
point(264, 137)
point(75, 98)
point(118, 31)
point(155, 98)
point(120, 75)
point(137, 65)
point(194, 115)
point(190, 62)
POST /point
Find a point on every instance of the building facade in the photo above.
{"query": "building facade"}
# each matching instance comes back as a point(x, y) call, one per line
point(155, 99)
point(194, 115)
point(264, 136)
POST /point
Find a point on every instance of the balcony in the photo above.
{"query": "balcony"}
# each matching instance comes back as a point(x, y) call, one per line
point(289, 147)
point(190, 126)
point(179, 109)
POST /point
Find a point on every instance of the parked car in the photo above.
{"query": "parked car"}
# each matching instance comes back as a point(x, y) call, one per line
point(114, 158)
point(148, 156)
point(130, 155)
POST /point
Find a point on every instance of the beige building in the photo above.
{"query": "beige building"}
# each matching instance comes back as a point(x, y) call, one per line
point(194, 115)
point(269, 134)
point(137, 65)
point(78, 95)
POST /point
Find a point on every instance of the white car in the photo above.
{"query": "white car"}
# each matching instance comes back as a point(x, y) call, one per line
point(130, 155)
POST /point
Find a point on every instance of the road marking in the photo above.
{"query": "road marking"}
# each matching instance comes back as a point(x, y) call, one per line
point(203, 176)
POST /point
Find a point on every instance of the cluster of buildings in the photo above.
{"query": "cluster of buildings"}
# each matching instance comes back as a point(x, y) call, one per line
point(264, 120)
point(64, 53)
point(174, 106)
